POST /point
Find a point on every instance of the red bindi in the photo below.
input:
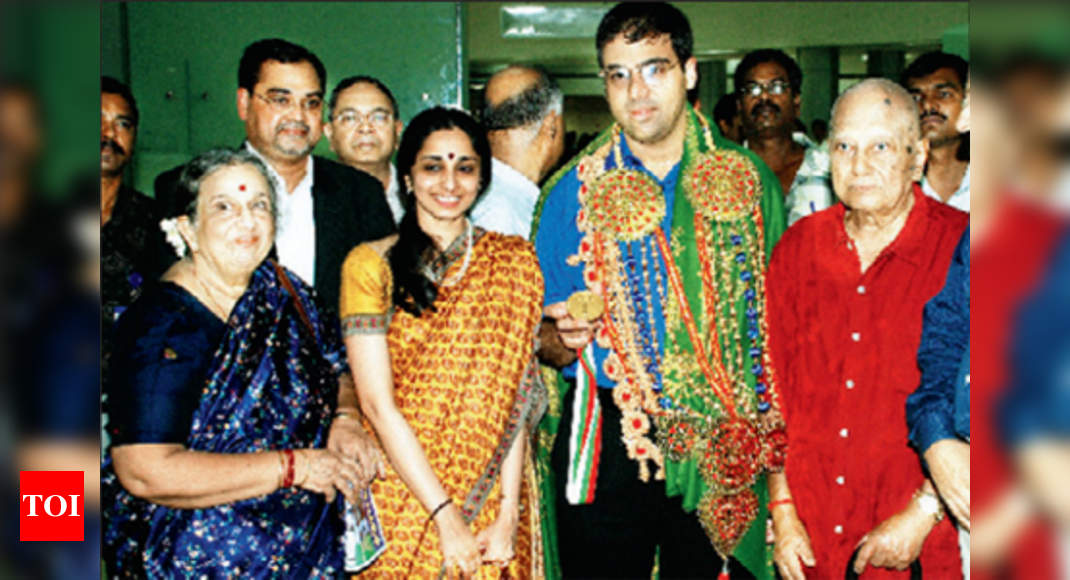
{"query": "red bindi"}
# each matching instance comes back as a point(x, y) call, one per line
point(450, 155)
point(241, 187)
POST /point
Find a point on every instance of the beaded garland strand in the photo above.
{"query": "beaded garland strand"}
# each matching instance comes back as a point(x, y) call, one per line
point(697, 393)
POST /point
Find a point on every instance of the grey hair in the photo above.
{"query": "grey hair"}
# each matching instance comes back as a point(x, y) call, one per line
point(196, 171)
point(527, 108)
point(893, 91)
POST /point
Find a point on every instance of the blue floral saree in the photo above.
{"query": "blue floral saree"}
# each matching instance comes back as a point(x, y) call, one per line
point(272, 383)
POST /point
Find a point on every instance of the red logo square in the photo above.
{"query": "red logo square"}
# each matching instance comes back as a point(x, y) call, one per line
point(51, 506)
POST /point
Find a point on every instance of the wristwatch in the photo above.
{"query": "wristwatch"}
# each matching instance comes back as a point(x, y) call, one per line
point(930, 505)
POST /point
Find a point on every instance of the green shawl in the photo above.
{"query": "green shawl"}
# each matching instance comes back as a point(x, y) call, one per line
point(681, 477)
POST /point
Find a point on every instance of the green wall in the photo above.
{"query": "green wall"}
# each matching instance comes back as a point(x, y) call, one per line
point(183, 62)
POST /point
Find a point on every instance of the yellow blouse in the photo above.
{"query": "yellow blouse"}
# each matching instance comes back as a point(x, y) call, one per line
point(366, 287)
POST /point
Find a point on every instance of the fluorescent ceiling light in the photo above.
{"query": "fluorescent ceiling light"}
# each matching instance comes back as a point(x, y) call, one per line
point(550, 21)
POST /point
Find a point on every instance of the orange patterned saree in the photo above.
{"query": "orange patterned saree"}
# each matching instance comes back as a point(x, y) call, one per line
point(466, 381)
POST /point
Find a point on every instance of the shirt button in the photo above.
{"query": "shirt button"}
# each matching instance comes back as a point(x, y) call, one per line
point(856, 336)
point(850, 384)
point(843, 432)
point(839, 480)
point(861, 289)
point(838, 529)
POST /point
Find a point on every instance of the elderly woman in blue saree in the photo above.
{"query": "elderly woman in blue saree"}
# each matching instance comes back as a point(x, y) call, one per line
point(233, 423)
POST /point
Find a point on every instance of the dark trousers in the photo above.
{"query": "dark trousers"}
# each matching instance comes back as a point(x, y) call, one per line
point(616, 535)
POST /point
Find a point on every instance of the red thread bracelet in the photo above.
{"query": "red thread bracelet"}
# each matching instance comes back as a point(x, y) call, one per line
point(784, 501)
point(288, 480)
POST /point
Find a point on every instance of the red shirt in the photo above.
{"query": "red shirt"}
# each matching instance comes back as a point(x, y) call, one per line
point(845, 345)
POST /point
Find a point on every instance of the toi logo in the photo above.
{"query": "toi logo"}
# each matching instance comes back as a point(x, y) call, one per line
point(51, 506)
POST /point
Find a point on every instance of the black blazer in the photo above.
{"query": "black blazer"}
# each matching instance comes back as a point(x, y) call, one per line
point(348, 207)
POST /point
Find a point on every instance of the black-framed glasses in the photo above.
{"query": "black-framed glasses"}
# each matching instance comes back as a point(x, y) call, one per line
point(283, 101)
point(653, 73)
point(775, 88)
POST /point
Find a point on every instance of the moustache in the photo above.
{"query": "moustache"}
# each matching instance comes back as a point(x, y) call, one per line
point(929, 114)
point(111, 144)
point(764, 107)
point(293, 125)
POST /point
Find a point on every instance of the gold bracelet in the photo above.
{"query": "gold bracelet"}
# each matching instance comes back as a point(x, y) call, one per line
point(351, 413)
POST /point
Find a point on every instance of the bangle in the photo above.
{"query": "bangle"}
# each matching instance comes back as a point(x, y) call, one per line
point(785, 501)
point(282, 469)
point(351, 413)
point(435, 511)
point(288, 456)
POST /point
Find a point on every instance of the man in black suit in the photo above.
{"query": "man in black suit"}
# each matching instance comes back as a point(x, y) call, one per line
point(325, 208)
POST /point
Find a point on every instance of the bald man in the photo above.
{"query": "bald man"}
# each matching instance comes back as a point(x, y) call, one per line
point(844, 329)
point(522, 115)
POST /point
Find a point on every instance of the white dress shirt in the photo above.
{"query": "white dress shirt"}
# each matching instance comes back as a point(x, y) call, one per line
point(508, 205)
point(392, 198)
point(295, 232)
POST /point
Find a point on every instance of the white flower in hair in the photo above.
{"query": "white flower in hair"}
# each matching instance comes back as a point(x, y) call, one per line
point(170, 230)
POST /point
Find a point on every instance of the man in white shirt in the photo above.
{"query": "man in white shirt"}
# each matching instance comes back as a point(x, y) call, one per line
point(363, 128)
point(937, 80)
point(325, 208)
point(523, 118)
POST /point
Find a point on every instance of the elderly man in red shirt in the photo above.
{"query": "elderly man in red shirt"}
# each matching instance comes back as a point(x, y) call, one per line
point(846, 289)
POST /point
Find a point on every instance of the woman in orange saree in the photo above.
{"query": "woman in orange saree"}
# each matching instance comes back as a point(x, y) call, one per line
point(440, 323)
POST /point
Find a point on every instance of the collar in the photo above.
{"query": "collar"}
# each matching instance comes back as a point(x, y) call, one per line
point(506, 172)
point(962, 189)
point(911, 244)
point(393, 187)
point(126, 198)
point(797, 136)
point(633, 162)
point(275, 174)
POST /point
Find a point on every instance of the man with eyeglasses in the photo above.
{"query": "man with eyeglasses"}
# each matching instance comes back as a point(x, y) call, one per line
point(653, 241)
point(522, 114)
point(937, 80)
point(325, 208)
point(768, 84)
point(363, 128)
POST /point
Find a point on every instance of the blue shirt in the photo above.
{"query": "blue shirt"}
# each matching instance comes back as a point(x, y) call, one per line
point(558, 238)
point(1037, 402)
point(940, 407)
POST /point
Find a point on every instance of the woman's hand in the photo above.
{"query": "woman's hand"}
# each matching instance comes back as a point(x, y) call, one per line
point(497, 541)
point(325, 471)
point(459, 548)
point(791, 544)
point(349, 439)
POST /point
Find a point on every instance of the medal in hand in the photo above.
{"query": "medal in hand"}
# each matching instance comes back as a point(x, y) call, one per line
point(585, 305)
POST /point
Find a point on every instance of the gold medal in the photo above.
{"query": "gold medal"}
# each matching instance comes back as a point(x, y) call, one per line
point(585, 305)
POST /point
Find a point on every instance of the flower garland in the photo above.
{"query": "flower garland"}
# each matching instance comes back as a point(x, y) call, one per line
point(693, 386)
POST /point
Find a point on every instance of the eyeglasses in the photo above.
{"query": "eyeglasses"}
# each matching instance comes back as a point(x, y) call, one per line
point(654, 74)
point(281, 102)
point(350, 118)
point(775, 88)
